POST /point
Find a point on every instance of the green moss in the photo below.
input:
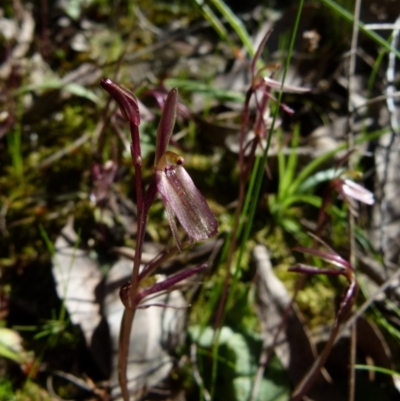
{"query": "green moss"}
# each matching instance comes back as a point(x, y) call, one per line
point(6, 390)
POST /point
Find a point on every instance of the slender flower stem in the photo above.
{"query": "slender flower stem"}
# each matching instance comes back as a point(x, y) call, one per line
point(129, 314)
point(237, 225)
point(141, 222)
point(259, 127)
point(345, 308)
point(313, 373)
point(351, 218)
point(239, 209)
point(123, 350)
point(245, 171)
point(137, 163)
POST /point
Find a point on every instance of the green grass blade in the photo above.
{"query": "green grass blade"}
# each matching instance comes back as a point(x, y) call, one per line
point(377, 369)
point(210, 16)
point(313, 200)
point(236, 25)
point(281, 167)
point(207, 90)
point(289, 173)
point(14, 144)
point(350, 18)
point(318, 178)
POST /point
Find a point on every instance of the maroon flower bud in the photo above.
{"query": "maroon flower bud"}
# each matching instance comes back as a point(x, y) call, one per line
point(166, 285)
point(126, 100)
point(166, 124)
point(169, 283)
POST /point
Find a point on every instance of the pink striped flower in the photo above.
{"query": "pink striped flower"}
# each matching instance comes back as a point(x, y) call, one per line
point(351, 192)
point(182, 199)
point(350, 189)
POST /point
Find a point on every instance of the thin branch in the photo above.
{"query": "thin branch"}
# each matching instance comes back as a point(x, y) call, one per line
point(351, 164)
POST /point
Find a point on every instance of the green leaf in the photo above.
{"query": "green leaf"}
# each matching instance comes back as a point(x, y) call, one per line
point(319, 177)
point(204, 336)
point(73, 88)
point(205, 89)
point(244, 360)
point(287, 175)
point(268, 391)
point(311, 199)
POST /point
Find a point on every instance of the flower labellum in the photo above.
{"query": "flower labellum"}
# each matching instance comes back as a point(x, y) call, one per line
point(181, 197)
point(103, 177)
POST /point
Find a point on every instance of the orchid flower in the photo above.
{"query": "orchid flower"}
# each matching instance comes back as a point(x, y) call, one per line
point(181, 198)
point(351, 190)
point(103, 177)
point(348, 189)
